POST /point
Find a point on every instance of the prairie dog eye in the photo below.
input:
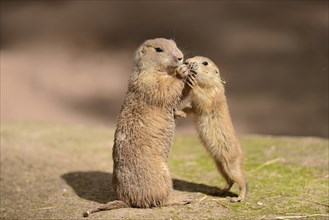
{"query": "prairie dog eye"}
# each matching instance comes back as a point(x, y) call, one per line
point(158, 49)
point(205, 63)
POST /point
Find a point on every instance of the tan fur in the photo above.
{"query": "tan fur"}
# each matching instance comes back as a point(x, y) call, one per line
point(213, 121)
point(145, 128)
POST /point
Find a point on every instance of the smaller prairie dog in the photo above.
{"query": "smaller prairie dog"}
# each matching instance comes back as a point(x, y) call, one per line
point(212, 118)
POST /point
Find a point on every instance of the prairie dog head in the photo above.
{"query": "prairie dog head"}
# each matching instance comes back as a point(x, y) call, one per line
point(205, 65)
point(207, 73)
point(160, 54)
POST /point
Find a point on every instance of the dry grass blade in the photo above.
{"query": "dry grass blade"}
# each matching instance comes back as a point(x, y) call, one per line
point(218, 202)
point(203, 198)
point(266, 164)
point(46, 208)
point(301, 216)
point(319, 203)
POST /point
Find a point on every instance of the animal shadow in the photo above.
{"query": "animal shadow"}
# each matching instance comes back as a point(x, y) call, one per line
point(97, 186)
point(183, 185)
point(91, 185)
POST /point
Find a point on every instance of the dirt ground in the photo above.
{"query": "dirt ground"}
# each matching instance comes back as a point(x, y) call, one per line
point(58, 171)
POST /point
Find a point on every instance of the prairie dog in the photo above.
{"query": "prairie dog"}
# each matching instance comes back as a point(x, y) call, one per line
point(213, 122)
point(145, 128)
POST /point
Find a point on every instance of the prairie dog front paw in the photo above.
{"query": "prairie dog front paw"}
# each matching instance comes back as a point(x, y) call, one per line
point(193, 66)
point(180, 114)
point(182, 71)
point(191, 80)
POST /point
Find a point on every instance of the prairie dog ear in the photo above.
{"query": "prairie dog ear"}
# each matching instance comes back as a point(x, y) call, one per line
point(142, 50)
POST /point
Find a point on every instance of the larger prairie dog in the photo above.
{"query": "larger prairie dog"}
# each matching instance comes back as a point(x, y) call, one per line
point(145, 128)
point(212, 118)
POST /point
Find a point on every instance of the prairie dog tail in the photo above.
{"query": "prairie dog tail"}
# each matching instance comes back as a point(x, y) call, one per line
point(116, 204)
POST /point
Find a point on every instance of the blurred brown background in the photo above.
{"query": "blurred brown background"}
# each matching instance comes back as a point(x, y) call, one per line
point(69, 61)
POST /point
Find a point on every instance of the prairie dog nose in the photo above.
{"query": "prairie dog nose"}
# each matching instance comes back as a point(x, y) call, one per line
point(187, 61)
point(178, 58)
